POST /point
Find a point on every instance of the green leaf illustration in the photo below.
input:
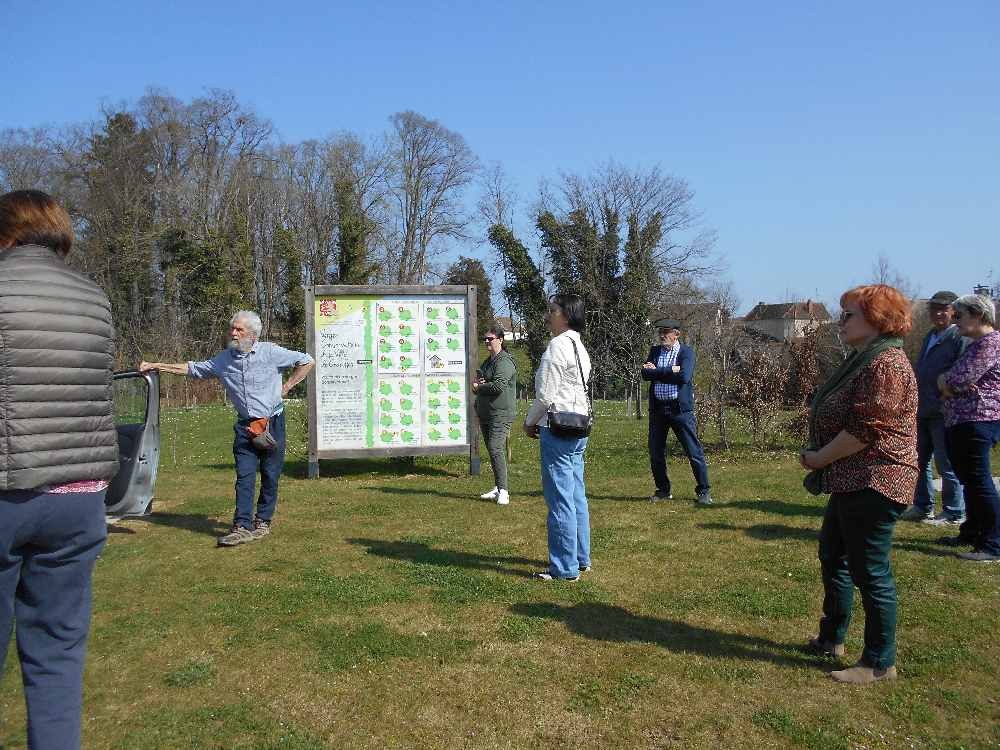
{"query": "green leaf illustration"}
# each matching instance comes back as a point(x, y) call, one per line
point(432, 313)
point(385, 389)
point(454, 434)
point(407, 419)
point(408, 437)
point(433, 344)
point(434, 435)
point(406, 404)
point(453, 403)
point(386, 436)
point(405, 346)
point(434, 403)
point(453, 344)
point(384, 330)
point(385, 404)
point(405, 363)
point(454, 418)
point(405, 388)
point(433, 329)
point(386, 420)
point(406, 330)
point(454, 386)
point(433, 387)
point(384, 346)
point(452, 313)
point(451, 327)
point(405, 314)
point(434, 418)
point(384, 314)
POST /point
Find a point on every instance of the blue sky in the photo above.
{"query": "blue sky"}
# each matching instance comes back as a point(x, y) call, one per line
point(816, 135)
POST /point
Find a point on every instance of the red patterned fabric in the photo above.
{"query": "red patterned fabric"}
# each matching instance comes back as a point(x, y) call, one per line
point(879, 408)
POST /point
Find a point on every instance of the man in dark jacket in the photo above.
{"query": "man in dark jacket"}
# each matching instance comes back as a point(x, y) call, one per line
point(941, 347)
point(670, 370)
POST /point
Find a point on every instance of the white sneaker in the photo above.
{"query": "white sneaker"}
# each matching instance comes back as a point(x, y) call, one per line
point(503, 497)
point(491, 495)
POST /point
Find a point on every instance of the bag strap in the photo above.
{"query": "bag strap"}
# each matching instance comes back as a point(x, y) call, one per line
point(586, 387)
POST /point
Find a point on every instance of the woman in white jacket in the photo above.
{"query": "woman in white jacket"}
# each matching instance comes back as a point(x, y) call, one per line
point(559, 386)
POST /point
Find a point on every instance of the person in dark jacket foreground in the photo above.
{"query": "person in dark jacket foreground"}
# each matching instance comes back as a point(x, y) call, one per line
point(58, 451)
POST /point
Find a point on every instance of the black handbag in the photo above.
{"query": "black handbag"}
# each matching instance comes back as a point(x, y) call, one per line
point(569, 424)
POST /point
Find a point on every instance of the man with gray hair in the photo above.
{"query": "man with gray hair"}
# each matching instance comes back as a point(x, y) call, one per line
point(250, 371)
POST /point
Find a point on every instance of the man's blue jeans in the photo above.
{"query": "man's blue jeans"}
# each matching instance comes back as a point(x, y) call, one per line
point(48, 546)
point(969, 445)
point(931, 443)
point(665, 417)
point(568, 520)
point(249, 461)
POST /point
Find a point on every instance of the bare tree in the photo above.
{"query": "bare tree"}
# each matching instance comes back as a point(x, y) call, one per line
point(431, 167)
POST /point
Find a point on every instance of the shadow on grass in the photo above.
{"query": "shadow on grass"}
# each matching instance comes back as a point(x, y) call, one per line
point(422, 491)
point(605, 622)
point(348, 467)
point(767, 531)
point(112, 529)
point(188, 522)
point(779, 507)
point(418, 552)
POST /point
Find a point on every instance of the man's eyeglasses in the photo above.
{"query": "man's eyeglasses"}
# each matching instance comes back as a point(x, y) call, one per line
point(488, 339)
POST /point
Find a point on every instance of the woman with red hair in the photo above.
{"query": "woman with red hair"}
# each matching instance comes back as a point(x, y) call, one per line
point(863, 451)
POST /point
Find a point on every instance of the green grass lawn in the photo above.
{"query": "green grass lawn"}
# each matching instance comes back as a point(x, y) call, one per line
point(391, 608)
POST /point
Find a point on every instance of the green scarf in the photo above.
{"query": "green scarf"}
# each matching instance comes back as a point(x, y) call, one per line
point(850, 367)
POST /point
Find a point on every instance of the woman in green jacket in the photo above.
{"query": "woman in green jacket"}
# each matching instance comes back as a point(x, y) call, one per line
point(495, 389)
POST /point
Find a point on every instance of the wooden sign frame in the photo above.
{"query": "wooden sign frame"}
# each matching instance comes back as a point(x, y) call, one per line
point(472, 354)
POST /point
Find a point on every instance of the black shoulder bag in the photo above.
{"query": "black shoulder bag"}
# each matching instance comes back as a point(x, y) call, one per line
point(569, 424)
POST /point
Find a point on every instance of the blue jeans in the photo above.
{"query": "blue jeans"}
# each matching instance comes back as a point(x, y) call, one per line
point(48, 546)
point(568, 520)
point(931, 443)
point(249, 461)
point(662, 418)
point(969, 445)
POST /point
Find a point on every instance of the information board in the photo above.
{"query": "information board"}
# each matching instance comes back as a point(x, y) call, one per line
point(393, 371)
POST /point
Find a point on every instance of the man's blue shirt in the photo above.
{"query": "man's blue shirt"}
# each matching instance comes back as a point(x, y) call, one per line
point(252, 380)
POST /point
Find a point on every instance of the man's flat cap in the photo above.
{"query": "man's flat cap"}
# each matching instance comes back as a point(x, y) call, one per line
point(943, 298)
point(671, 323)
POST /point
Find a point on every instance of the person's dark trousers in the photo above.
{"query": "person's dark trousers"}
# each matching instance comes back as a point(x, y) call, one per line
point(48, 546)
point(495, 434)
point(854, 545)
point(662, 418)
point(969, 445)
point(249, 461)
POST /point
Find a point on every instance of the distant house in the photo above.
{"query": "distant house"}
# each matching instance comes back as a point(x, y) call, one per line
point(512, 331)
point(788, 320)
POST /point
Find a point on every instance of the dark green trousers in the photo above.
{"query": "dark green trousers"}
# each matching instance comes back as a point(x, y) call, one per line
point(495, 434)
point(854, 546)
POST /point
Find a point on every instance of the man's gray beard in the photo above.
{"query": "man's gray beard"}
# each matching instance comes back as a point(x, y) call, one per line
point(242, 345)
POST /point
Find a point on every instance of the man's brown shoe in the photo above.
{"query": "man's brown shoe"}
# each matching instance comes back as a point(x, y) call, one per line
point(825, 648)
point(860, 674)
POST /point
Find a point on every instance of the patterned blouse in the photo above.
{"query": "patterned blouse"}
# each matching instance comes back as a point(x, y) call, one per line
point(879, 408)
point(975, 377)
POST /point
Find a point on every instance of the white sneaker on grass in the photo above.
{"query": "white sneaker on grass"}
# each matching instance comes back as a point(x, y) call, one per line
point(945, 519)
point(503, 497)
point(491, 495)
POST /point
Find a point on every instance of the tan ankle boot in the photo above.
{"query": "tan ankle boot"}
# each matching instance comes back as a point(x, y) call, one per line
point(861, 674)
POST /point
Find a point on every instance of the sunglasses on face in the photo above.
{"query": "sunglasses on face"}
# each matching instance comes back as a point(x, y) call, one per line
point(489, 338)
